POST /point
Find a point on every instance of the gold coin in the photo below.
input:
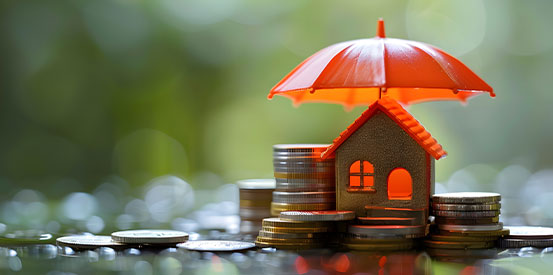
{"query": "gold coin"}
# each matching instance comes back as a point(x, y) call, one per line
point(297, 246)
point(251, 203)
point(296, 229)
point(286, 241)
point(454, 238)
point(459, 245)
point(278, 222)
point(380, 246)
point(275, 235)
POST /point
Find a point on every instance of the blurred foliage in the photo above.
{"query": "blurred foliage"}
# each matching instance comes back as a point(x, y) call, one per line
point(140, 89)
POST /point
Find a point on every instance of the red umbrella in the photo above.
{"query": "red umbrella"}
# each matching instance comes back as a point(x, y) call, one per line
point(359, 72)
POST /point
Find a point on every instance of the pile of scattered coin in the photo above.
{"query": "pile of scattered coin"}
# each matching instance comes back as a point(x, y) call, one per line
point(465, 220)
point(125, 239)
point(255, 203)
point(303, 180)
point(150, 239)
point(302, 229)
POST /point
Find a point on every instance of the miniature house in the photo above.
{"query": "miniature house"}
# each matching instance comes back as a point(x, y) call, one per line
point(385, 159)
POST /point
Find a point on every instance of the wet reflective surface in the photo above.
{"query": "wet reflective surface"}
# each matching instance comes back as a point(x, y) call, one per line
point(51, 259)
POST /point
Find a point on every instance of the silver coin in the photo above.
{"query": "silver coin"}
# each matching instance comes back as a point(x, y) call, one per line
point(529, 232)
point(466, 198)
point(216, 245)
point(304, 163)
point(300, 170)
point(387, 230)
point(303, 195)
point(305, 187)
point(150, 236)
point(466, 207)
point(466, 214)
point(304, 200)
point(89, 242)
point(324, 215)
point(519, 243)
point(256, 184)
point(453, 227)
point(300, 147)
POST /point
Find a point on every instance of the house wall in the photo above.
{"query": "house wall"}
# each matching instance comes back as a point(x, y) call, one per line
point(383, 143)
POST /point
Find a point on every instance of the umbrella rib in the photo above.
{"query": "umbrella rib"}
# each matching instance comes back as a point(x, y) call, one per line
point(423, 48)
point(324, 71)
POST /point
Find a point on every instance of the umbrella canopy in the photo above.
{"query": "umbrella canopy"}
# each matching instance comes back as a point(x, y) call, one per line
point(359, 72)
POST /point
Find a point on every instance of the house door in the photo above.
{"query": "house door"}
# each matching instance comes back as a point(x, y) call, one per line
point(400, 185)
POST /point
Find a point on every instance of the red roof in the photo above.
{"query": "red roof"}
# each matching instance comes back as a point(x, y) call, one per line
point(401, 117)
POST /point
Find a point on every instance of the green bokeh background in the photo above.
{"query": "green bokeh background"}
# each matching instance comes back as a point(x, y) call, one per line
point(140, 89)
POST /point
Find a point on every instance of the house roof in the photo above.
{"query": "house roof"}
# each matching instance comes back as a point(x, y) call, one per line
point(401, 117)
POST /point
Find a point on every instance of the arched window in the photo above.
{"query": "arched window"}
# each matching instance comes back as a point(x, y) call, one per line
point(400, 185)
point(361, 176)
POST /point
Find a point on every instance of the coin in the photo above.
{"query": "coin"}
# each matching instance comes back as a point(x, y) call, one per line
point(452, 227)
point(497, 233)
point(456, 238)
point(304, 197)
point(216, 245)
point(150, 236)
point(466, 207)
point(466, 198)
point(530, 232)
point(419, 214)
point(89, 242)
point(256, 184)
point(251, 203)
point(473, 221)
point(278, 222)
point(276, 235)
point(276, 208)
point(305, 170)
point(300, 182)
point(301, 147)
point(290, 246)
point(386, 221)
point(256, 194)
point(329, 215)
point(459, 245)
point(466, 214)
point(286, 241)
point(387, 230)
point(519, 243)
point(296, 175)
point(297, 229)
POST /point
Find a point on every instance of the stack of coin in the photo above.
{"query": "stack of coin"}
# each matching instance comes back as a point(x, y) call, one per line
point(255, 203)
point(523, 236)
point(303, 180)
point(294, 235)
point(465, 220)
point(383, 237)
